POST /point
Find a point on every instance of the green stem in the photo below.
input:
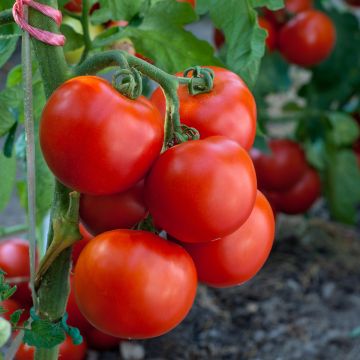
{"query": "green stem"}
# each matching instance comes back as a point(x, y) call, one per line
point(84, 19)
point(12, 230)
point(30, 154)
point(54, 289)
point(6, 17)
point(169, 83)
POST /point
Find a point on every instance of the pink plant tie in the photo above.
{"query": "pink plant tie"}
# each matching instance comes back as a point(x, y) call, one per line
point(42, 35)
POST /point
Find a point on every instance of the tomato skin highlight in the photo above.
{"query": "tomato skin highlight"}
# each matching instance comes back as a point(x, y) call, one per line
point(201, 190)
point(302, 195)
point(67, 351)
point(308, 38)
point(116, 211)
point(236, 258)
point(228, 110)
point(140, 285)
point(281, 169)
point(96, 140)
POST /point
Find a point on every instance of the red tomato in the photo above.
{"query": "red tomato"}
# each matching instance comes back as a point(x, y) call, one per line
point(353, 2)
point(281, 169)
point(228, 110)
point(236, 258)
point(201, 190)
point(67, 351)
point(10, 306)
point(110, 212)
point(14, 260)
point(79, 245)
point(96, 140)
point(308, 38)
point(292, 7)
point(271, 33)
point(299, 198)
point(76, 318)
point(191, 2)
point(219, 37)
point(74, 6)
point(140, 285)
point(98, 340)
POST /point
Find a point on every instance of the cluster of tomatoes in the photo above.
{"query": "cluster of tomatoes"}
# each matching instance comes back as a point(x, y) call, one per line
point(201, 193)
point(284, 175)
point(303, 35)
point(14, 260)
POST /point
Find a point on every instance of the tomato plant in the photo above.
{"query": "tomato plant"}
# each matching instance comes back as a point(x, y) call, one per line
point(229, 110)
point(237, 257)
point(207, 179)
point(308, 38)
point(110, 212)
point(132, 273)
point(91, 164)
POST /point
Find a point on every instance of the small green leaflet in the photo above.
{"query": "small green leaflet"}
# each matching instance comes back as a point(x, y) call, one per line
point(270, 4)
point(344, 130)
point(15, 316)
point(7, 176)
point(44, 334)
point(245, 40)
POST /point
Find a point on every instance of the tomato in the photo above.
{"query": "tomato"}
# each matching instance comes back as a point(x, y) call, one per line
point(14, 260)
point(76, 318)
point(308, 38)
point(292, 7)
point(67, 351)
point(228, 110)
point(355, 3)
point(110, 212)
point(219, 37)
point(271, 33)
point(191, 2)
point(96, 140)
point(98, 340)
point(74, 6)
point(236, 258)
point(79, 245)
point(201, 190)
point(10, 306)
point(299, 198)
point(140, 285)
point(282, 168)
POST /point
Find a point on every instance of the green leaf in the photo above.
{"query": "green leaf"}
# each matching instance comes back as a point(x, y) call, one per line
point(7, 176)
point(44, 334)
point(245, 40)
point(5, 331)
point(15, 316)
point(270, 4)
point(342, 179)
point(7, 44)
point(116, 10)
point(345, 129)
point(74, 40)
point(273, 77)
point(6, 117)
point(166, 42)
point(316, 153)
